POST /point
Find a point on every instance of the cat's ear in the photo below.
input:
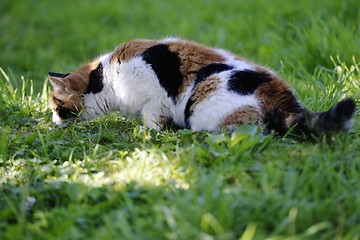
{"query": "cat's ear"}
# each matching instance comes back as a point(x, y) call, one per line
point(57, 81)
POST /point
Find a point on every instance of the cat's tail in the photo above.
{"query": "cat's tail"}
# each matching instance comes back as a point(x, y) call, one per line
point(337, 119)
point(283, 112)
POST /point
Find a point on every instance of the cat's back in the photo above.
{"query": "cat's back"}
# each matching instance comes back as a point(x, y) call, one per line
point(185, 49)
point(189, 55)
point(176, 61)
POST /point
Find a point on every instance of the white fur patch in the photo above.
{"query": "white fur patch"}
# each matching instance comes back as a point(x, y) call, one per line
point(171, 40)
point(131, 87)
point(56, 118)
point(348, 125)
point(208, 114)
point(179, 117)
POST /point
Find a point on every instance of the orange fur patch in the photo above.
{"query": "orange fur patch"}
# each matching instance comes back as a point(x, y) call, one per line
point(243, 115)
point(131, 49)
point(277, 96)
point(204, 90)
point(78, 81)
point(269, 93)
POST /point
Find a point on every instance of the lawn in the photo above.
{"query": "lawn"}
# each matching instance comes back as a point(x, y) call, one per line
point(109, 179)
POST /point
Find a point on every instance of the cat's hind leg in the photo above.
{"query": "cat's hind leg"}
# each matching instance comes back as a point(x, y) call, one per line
point(248, 115)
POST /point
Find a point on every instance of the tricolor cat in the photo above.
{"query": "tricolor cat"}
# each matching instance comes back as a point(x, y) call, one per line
point(195, 86)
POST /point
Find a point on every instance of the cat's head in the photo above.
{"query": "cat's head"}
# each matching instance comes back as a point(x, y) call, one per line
point(67, 98)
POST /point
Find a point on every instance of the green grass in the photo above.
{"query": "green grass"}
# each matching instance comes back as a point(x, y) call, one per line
point(108, 179)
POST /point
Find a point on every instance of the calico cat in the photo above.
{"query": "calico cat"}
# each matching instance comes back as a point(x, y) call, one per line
point(195, 86)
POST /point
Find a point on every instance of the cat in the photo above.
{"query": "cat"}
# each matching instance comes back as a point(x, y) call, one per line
point(195, 86)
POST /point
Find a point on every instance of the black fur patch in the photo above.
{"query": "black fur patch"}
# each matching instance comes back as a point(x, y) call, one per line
point(285, 104)
point(275, 120)
point(202, 75)
point(166, 65)
point(209, 70)
point(65, 113)
point(187, 112)
point(95, 80)
point(246, 82)
point(58, 75)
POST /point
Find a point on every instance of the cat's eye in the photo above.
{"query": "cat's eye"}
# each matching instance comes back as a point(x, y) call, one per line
point(57, 100)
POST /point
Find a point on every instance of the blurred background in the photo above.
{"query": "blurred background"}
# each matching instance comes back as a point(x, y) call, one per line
point(38, 36)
